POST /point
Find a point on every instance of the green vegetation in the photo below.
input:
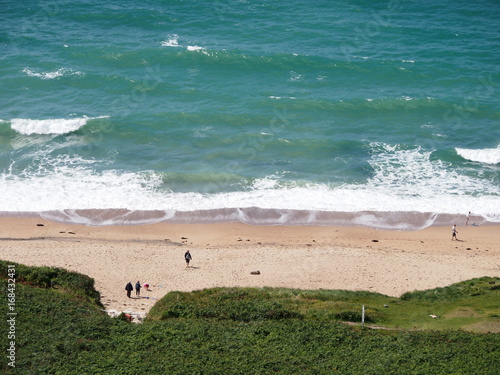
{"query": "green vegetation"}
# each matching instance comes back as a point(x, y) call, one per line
point(72, 283)
point(472, 305)
point(60, 329)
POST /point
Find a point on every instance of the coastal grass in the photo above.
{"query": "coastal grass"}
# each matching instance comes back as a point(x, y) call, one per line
point(61, 329)
point(472, 305)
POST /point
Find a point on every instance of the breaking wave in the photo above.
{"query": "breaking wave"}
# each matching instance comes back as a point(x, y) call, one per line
point(52, 74)
point(485, 155)
point(50, 126)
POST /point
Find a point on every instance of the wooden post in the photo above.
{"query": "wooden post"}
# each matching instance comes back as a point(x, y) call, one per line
point(363, 315)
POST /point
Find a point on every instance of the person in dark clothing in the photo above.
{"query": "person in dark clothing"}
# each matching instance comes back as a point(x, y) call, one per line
point(138, 288)
point(187, 257)
point(129, 288)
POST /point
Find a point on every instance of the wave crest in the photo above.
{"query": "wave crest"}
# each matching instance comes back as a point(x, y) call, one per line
point(51, 75)
point(485, 155)
point(49, 126)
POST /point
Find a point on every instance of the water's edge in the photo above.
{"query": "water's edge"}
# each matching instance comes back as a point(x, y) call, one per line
point(400, 220)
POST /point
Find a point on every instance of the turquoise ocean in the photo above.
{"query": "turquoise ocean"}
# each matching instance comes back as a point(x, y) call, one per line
point(383, 114)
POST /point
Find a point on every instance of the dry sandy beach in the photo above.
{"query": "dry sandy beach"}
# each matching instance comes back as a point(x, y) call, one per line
point(388, 262)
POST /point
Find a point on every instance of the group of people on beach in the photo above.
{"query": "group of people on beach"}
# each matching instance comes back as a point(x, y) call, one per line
point(188, 257)
point(129, 287)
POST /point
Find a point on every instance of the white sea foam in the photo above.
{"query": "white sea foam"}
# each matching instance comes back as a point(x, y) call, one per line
point(80, 187)
point(172, 41)
point(294, 76)
point(412, 173)
point(485, 155)
point(403, 180)
point(202, 132)
point(56, 183)
point(49, 126)
point(195, 48)
point(51, 75)
point(282, 97)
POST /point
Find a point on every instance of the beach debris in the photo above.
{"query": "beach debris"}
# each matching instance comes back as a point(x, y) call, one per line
point(133, 316)
point(433, 316)
point(468, 248)
point(374, 240)
point(184, 238)
point(71, 232)
point(386, 305)
point(130, 315)
point(255, 273)
point(40, 225)
point(112, 313)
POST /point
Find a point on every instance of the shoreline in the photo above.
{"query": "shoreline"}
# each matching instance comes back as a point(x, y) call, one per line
point(225, 254)
point(381, 220)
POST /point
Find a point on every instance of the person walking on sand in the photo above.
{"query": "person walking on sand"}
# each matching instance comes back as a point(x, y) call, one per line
point(129, 288)
point(187, 257)
point(468, 218)
point(137, 288)
point(454, 232)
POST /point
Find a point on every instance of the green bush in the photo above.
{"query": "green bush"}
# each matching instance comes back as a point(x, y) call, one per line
point(58, 278)
point(232, 304)
point(475, 287)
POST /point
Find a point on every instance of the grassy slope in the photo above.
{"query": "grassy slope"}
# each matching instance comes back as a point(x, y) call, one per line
point(229, 331)
point(472, 305)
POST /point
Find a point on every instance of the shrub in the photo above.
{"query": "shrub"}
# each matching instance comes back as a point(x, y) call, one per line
point(48, 277)
point(475, 287)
